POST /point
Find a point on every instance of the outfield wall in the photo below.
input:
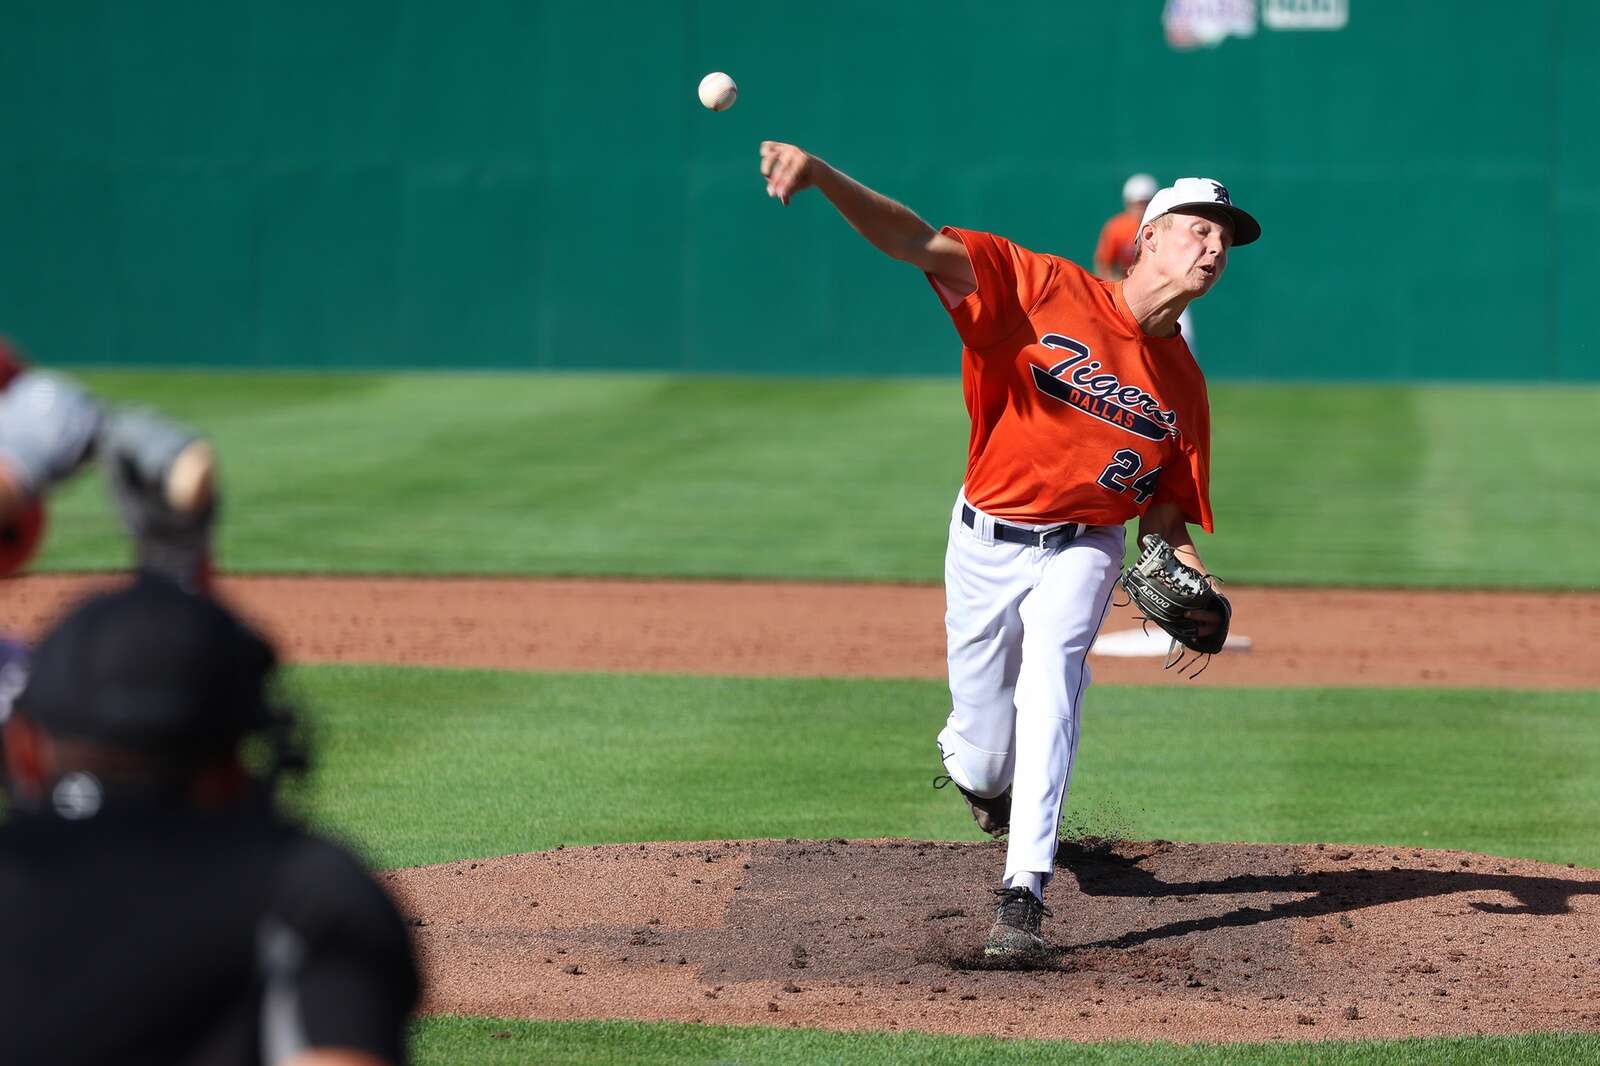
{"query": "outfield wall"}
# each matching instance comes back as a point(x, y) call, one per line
point(509, 183)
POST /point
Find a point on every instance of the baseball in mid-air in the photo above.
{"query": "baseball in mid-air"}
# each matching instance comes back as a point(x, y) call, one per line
point(717, 91)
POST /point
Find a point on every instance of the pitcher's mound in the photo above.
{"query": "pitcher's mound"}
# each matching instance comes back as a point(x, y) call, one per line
point(1149, 940)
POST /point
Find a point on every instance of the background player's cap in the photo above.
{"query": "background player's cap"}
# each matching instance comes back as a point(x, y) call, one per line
point(1139, 187)
point(150, 667)
point(1202, 192)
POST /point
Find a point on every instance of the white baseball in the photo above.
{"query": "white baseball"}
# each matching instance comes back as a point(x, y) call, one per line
point(717, 91)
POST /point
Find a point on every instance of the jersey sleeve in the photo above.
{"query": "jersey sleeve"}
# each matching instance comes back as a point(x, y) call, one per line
point(1187, 481)
point(47, 428)
point(338, 962)
point(1011, 281)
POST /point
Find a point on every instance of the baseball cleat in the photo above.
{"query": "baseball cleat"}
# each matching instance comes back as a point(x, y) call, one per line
point(993, 815)
point(1015, 932)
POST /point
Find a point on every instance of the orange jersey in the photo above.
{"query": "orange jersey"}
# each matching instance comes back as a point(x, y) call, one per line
point(1116, 242)
point(1077, 415)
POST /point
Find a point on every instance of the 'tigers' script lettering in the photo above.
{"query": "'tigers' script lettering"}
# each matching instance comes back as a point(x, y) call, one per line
point(1075, 381)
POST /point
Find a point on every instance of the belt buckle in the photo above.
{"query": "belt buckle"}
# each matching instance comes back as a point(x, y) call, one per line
point(1067, 530)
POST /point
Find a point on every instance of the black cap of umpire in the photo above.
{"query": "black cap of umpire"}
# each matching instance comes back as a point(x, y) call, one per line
point(150, 667)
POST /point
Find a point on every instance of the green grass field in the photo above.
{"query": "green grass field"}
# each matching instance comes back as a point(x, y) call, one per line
point(431, 765)
point(493, 1043)
point(653, 475)
point(803, 478)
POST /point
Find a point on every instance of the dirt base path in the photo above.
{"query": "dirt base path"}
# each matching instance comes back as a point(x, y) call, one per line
point(1154, 940)
point(1299, 637)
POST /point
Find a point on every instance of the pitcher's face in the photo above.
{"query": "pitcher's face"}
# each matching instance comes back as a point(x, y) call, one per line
point(1193, 248)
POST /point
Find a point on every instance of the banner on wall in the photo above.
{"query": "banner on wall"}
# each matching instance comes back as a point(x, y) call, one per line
point(1305, 14)
point(1191, 24)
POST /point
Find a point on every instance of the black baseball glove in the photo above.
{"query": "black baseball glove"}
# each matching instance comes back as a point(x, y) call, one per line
point(1165, 591)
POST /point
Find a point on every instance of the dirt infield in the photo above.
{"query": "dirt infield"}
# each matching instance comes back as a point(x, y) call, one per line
point(1300, 637)
point(1151, 940)
point(1154, 940)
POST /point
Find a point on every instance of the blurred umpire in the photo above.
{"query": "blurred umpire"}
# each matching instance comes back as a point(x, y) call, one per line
point(156, 907)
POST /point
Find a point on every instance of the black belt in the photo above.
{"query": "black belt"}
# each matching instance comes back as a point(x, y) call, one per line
point(1055, 537)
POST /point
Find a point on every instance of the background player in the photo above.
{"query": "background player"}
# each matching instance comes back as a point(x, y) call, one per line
point(1086, 409)
point(161, 475)
point(1113, 252)
point(1119, 237)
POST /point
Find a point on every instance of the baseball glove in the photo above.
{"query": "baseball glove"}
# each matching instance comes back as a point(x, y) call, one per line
point(1165, 591)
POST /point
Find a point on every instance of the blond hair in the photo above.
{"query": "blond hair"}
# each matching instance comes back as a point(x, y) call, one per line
point(1160, 222)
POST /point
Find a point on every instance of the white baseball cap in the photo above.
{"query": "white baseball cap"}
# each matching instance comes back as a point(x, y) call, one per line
point(1202, 192)
point(1139, 187)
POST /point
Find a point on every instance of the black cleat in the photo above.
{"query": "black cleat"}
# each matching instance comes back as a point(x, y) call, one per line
point(992, 815)
point(1015, 933)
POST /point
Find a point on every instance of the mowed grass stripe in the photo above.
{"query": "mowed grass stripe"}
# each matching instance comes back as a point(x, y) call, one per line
point(425, 766)
point(660, 475)
point(490, 1041)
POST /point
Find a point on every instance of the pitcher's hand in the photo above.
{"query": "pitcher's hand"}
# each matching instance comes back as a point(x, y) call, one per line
point(787, 169)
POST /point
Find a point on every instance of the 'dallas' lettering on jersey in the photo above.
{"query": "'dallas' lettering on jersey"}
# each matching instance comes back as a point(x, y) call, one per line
point(1077, 382)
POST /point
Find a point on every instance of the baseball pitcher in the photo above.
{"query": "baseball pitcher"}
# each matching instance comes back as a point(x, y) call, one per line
point(1087, 409)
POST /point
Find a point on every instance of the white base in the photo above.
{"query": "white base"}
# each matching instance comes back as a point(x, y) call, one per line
point(1139, 644)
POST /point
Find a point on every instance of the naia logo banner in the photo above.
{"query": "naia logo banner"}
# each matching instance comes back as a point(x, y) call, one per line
point(1191, 24)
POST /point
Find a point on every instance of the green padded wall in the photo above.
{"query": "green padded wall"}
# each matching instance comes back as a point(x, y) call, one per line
point(522, 184)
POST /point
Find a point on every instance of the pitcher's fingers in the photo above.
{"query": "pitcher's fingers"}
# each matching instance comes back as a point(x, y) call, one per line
point(793, 163)
point(779, 183)
point(775, 171)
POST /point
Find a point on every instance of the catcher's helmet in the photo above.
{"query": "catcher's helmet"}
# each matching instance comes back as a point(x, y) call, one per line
point(20, 536)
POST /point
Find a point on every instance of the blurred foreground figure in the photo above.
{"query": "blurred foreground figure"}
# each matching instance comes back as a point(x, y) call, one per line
point(158, 907)
point(161, 475)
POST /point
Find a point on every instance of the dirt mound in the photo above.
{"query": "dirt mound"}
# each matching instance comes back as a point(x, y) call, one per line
point(1150, 940)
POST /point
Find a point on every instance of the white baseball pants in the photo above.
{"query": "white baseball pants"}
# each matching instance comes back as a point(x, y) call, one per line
point(1019, 621)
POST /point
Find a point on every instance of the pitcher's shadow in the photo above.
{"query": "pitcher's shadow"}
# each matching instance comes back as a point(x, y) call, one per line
point(1108, 873)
